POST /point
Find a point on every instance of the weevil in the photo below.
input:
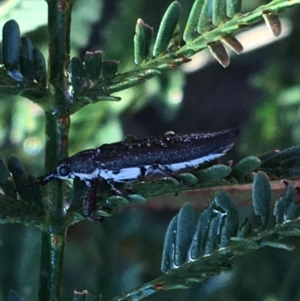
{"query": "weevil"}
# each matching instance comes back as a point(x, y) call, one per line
point(128, 161)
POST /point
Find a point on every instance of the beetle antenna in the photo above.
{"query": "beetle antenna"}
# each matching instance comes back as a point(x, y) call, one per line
point(17, 189)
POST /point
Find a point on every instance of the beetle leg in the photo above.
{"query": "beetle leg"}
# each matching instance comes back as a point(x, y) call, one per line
point(89, 199)
point(116, 190)
point(169, 173)
point(165, 171)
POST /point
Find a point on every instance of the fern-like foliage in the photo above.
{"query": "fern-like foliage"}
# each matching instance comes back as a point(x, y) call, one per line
point(210, 24)
point(195, 249)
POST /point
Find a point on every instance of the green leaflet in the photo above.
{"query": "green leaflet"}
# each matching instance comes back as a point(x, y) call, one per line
point(76, 73)
point(191, 24)
point(20, 178)
point(142, 41)
point(233, 7)
point(188, 179)
point(213, 174)
point(282, 204)
point(167, 261)
point(197, 247)
point(245, 166)
point(184, 233)
point(166, 28)
point(40, 66)
point(204, 21)
point(275, 159)
point(19, 52)
point(109, 69)
point(292, 211)
point(11, 45)
point(246, 229)
point(26, 61)
point(93, 65)
point(218, 11)
point(30, 194)
point(17, 211)
point(230, 227)
point(214, 233)
point(261, 195)
point(217, 238)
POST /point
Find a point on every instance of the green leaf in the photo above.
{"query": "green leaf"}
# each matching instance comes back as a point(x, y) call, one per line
point(26, 59)
point(136, 199)
point(213, 238)
point(283, 203)
point(20, 178)
point(109, 69)
point(184, 233)
point(175, 40)
point(166, 28)
point(93, 65)
point(17, 211)
point(167, 261)
point(246, 229)
point(157, 187)
point(11, 45)
point(191, 24)
point(197, 247)
point(276, 159)
point(245, 166)
point(76, 73)
point(230, 227)
point(293, 211)
point(218, 11)
point(213, 174)
point(40, 66)
point(116, 201)
point(290, 162)
point(233, 7)
point(205, 22)
point(187, 179)
point(28, 189)
point(267, 155)
point(261, 196)
point(142, 41)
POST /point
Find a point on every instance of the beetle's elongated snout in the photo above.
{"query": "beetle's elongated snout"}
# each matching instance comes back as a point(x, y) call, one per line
point(47, 178)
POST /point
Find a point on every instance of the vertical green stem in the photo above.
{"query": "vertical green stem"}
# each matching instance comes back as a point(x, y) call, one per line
point(57, 135)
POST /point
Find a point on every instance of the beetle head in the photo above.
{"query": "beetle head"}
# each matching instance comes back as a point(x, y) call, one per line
point(62, 172)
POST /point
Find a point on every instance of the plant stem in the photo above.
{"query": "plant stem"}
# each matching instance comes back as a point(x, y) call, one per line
point(57, 135)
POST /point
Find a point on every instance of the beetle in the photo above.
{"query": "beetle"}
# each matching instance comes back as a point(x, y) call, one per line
point(131, 160)
point(128, 161)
